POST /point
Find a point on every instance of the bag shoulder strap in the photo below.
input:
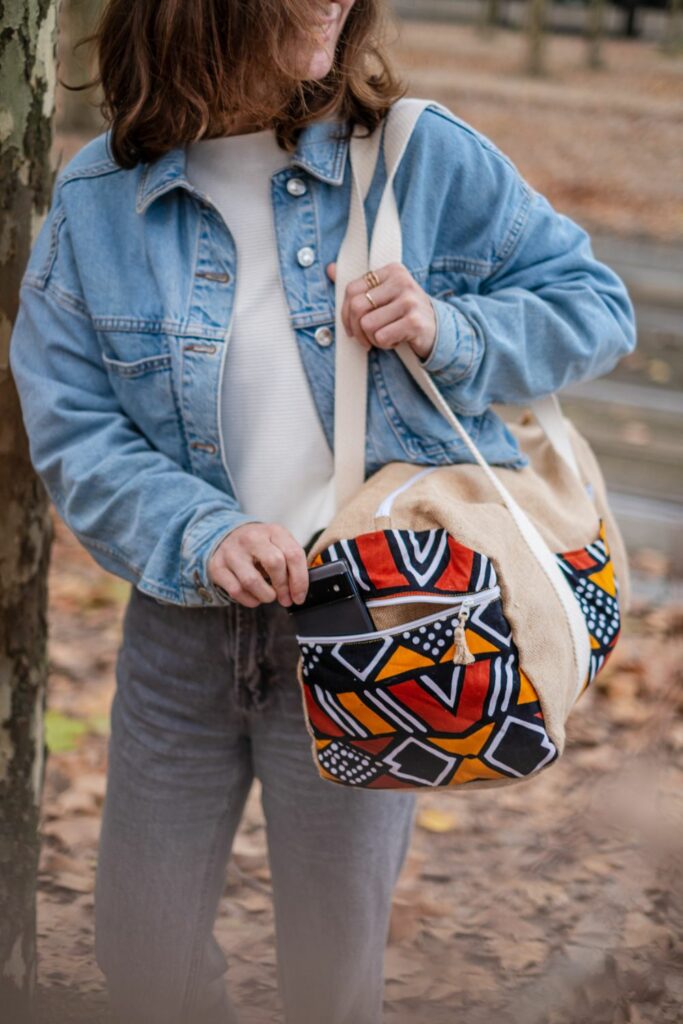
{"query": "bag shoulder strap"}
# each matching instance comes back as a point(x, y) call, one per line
point(351, 359)
point(351, 370)
point(351, 365)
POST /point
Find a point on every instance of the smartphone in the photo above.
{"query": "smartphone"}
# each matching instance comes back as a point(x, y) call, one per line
point(333, 605)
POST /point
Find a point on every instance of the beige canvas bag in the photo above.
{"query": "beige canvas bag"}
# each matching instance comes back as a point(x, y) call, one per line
point(496, 593)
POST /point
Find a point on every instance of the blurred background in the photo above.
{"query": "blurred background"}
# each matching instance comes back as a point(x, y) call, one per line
point(559, 902)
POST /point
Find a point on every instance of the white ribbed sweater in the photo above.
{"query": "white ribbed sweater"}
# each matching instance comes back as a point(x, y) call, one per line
point(276, 452)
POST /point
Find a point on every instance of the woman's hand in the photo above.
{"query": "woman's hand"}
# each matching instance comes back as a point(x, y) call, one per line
point(258, 562)
point(404, 311)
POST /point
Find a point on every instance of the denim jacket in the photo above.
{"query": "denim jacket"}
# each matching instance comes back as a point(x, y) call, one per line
point(125, 313)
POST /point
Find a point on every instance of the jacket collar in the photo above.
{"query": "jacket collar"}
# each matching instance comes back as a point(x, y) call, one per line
point(316, 151)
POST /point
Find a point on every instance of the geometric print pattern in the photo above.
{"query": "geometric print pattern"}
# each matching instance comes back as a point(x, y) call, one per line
point(393, 711)
point(590, 573)
point(406, 562)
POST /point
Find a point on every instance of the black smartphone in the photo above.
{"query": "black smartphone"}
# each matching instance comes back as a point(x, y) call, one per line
point(333, 605)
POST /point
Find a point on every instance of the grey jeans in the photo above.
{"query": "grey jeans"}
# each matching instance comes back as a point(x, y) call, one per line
point(207, 700)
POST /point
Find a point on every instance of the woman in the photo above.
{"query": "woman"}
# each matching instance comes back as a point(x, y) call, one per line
point(173, 354)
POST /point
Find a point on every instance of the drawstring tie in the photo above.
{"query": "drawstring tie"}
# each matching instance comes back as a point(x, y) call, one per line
point(462, 655)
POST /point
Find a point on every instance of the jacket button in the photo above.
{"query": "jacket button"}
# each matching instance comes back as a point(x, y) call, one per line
point(205, 594)
point(305, 256)
point(323, 336)
point(296, 187)
point(222, 276)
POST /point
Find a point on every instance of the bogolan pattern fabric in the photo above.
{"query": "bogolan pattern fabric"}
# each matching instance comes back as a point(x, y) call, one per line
point(591, 575)
point(396, 712)
point(392, 563)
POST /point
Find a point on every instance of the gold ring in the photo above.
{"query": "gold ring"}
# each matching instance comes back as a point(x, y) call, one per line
point(372, 279)
point(370, 299)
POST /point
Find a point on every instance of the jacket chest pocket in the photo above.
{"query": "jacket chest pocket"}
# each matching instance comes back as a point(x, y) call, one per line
point(142, 375)
point(419, 428)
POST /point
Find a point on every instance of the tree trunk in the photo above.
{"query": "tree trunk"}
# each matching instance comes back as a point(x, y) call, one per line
point(27, 95)
point(490, 17)
point(595, 32)
point(631, 26)
point(535, 32)
point(673, 43)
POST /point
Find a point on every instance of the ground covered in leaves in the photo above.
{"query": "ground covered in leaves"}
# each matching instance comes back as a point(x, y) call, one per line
point(557, 901)
point(604, 145)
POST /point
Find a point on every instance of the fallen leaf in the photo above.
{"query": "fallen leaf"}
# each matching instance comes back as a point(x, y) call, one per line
point(74, 882)
point(434, 820)
point(63, 733)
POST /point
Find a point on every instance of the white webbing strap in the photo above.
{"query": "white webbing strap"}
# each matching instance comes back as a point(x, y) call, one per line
point(351, 385)
point(350, 359)
point(533, 538)
point(549, 416)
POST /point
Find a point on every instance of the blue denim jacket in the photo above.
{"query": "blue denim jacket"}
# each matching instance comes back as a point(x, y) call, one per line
point(125, 313)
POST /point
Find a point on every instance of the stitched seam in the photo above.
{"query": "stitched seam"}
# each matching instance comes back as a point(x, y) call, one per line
point(197, 943)
point(68, 301)
point(464, 373)
point(516, 229)
point(61, 298)
point(194, 280)
point(140, 201)
point(480, 139)
point(176, 382)
point(126, 325)
point(54, 241)
point(106, 166)
point(340, 159)
point(318, 244)
point(522, 213)
point(161, 361)
point(115, 554)
point(101, 546)
point(469, 265)
point(407, 444)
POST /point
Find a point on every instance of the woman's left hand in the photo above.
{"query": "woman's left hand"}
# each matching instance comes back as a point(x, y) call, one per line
point(404, 311)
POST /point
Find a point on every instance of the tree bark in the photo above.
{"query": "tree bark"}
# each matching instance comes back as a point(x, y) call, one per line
point(536, 37)
point(27, 97)
point(595, 31)
point(673, 44)
point(490, 17)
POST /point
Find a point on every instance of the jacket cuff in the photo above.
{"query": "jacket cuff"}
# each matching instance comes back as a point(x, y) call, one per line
point(199, 543)
point(458, 348)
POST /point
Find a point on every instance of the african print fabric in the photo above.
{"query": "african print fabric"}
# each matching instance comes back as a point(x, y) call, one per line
point(392, 710)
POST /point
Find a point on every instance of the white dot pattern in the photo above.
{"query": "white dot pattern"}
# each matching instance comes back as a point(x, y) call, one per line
point(347, 764)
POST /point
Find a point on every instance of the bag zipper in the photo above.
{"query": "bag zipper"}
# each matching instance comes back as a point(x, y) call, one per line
point(465, 603)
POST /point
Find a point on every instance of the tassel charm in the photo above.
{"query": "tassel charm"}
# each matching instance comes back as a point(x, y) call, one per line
point(462, 655)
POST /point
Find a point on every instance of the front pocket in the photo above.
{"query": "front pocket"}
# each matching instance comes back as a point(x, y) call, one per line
point(417, 626)
point(393, 710)
point(590, 573)
point(419, 427)
point(144, 385)
point(138, 367)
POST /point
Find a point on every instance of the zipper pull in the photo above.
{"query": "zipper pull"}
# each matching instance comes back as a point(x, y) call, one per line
point(462, 655)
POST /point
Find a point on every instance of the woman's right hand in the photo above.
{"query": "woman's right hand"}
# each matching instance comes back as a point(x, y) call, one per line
point(259, 562)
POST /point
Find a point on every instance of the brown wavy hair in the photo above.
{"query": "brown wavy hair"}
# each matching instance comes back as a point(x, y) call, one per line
point(175, 71)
